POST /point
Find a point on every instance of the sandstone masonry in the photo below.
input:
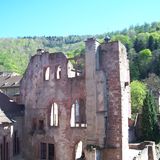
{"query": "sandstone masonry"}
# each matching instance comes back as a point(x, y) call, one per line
point(72, 113)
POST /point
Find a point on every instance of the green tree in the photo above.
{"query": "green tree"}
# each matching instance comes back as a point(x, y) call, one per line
point(134, 70)
point(149, 118)
point(138, 94)
point(153, 41)
point(144, 60)
point(141, 41)
point(155, 67)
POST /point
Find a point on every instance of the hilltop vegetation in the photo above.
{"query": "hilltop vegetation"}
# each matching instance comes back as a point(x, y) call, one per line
point(142, 43)
point(15, 53)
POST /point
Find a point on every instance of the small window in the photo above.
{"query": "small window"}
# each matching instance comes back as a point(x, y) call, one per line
point(15, 143)
point(77, 113)
point(50, 151)
point(58, 72)
point(43, 151)
point(47, 73)
point(34, 124)
point(41, 125)
point(1, 151)
point(46, 151)
point(54, 115)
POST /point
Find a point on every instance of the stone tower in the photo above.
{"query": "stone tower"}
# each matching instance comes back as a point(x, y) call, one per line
point(108, 97)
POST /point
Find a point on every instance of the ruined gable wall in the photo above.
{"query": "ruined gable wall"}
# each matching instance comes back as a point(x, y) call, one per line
point(106, 71)
point(38, 95)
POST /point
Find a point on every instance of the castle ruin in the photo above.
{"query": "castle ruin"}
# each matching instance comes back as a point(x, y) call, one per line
point(69, 110)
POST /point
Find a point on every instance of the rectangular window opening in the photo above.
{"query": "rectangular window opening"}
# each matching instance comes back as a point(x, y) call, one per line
point(41, 125)
point(50, 151)
point(43, 151)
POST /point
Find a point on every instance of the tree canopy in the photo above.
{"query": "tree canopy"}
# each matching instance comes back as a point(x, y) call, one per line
point(141, 41)
point(138, 94)
point(149, 119)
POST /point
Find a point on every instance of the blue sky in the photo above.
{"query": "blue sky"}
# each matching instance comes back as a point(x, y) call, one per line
point(73, 17)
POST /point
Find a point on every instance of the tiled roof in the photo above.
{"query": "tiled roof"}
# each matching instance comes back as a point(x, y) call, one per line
point(4, 118)
point(9, 107)
point(9, 80)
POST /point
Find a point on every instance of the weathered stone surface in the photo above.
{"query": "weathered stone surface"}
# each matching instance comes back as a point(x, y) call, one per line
point(101, 90)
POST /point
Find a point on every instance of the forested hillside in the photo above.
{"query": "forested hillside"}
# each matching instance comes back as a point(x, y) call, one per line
point(142, 43)
point(15, 53)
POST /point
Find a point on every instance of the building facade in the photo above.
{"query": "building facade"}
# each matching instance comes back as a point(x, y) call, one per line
point(11, 128)
point(10, 84)
point(77, 113)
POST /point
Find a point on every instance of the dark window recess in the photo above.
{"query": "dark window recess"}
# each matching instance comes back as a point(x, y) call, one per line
point(50, 151)
point(46, 151)
point(34, 124)
point(7, 151)
point(4, 150)
point(41, 125)
point(43, 151)
point(1, 152)
point(126, 84)
point(82, 111)
point(16, 143)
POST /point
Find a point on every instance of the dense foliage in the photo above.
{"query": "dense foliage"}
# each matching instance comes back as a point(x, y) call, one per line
point(138, 94)
point(15, 53)
point(142, 43)
point(149, 119)
point(143, 47)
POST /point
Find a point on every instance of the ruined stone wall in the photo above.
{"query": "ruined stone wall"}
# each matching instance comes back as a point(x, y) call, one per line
point(38, 94)
point(105, 91)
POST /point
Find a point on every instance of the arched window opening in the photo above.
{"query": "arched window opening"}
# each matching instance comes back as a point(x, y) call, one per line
point(79, 154)
point(58, 72)
point(72, 120)
point(82, 113)
point(70, 70)
point(54, 115)
point(78, 115)
point(47, 73)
